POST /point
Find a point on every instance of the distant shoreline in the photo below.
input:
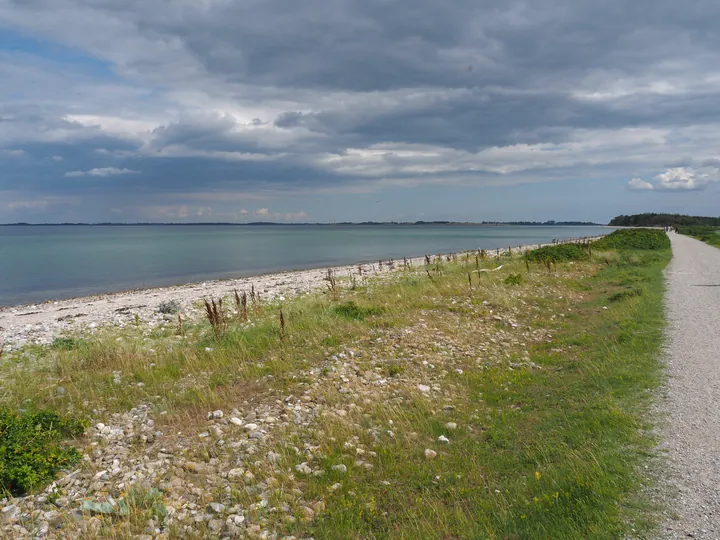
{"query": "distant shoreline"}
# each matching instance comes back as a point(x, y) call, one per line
point(356, 224)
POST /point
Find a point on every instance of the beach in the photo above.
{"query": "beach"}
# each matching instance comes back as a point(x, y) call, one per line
point(41, 323)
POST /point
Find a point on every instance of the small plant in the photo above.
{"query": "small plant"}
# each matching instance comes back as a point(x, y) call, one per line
point(170, 307)
point(623, 295)
point(513, 279)
point(352, 311)
point(31, 449)
point(66, 343)
point(216, 316)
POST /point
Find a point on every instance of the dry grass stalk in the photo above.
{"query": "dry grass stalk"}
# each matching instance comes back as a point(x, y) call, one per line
point(282, 326)
point(254, 298)
point(241, 305)
point(331, 281)
point(215, 315)
point(180, 325)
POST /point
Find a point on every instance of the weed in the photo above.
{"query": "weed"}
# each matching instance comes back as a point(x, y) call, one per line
point(216, 316)
point(513, 279)
point(169, 307)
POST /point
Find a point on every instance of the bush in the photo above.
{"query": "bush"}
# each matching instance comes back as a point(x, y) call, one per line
point(170, 307)
point(625, 239)
point(31, 450)
point(513, 279)
point(558, 253)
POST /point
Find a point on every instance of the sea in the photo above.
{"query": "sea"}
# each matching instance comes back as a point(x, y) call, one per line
point(41, 263)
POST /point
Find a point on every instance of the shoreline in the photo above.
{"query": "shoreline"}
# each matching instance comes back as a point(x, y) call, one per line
point(40, 323)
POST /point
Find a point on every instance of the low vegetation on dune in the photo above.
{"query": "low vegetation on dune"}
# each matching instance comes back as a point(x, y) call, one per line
point(634, 239)
point(708, 234)
point(449, 400)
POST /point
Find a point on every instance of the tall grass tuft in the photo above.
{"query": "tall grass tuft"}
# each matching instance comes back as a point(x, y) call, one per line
point(216, 316)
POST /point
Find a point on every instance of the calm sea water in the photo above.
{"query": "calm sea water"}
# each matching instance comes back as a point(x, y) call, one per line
point(42, 263)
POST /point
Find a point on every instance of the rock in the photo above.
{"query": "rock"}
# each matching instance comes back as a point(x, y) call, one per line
point(451, 426)
point(342, 469)
point(303, 468)
point(216, 525)
point(273, 457)
point(430, 454)
point(215, 415)
point(335, 487)
point(308, 514)
point(235, 474)
point(216, 508)
point(60, 391)
point(10, 512)
point(251, 427)
point(443, 439)
point(193, 467)
point(236, 421)
point(423, 388)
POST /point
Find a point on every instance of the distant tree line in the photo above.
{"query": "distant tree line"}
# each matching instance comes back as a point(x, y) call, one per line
point(662, 220)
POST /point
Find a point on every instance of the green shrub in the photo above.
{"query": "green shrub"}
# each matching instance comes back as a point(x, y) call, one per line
point(170, 307)
point(624, 239)
point(351, 310)
point(31, 449)
point(558, 253)
point(513, 279)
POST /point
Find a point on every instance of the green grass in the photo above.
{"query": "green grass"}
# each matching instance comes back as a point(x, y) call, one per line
point(708, 234)
point(538, 453)
point(547, 374)
point(634, 239)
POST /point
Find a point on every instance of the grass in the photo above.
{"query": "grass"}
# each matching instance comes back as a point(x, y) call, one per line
point(540, 381)
point(708, 234)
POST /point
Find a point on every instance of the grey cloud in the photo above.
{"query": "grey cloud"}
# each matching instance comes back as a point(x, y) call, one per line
point(217, 96)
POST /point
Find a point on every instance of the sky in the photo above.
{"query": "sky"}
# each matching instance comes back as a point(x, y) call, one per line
point(355, 110)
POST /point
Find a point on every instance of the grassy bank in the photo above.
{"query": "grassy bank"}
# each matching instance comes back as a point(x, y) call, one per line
point(450, 401)
point(708, 234)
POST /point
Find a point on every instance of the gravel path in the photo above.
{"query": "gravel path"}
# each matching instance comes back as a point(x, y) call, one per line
point(692, 434)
